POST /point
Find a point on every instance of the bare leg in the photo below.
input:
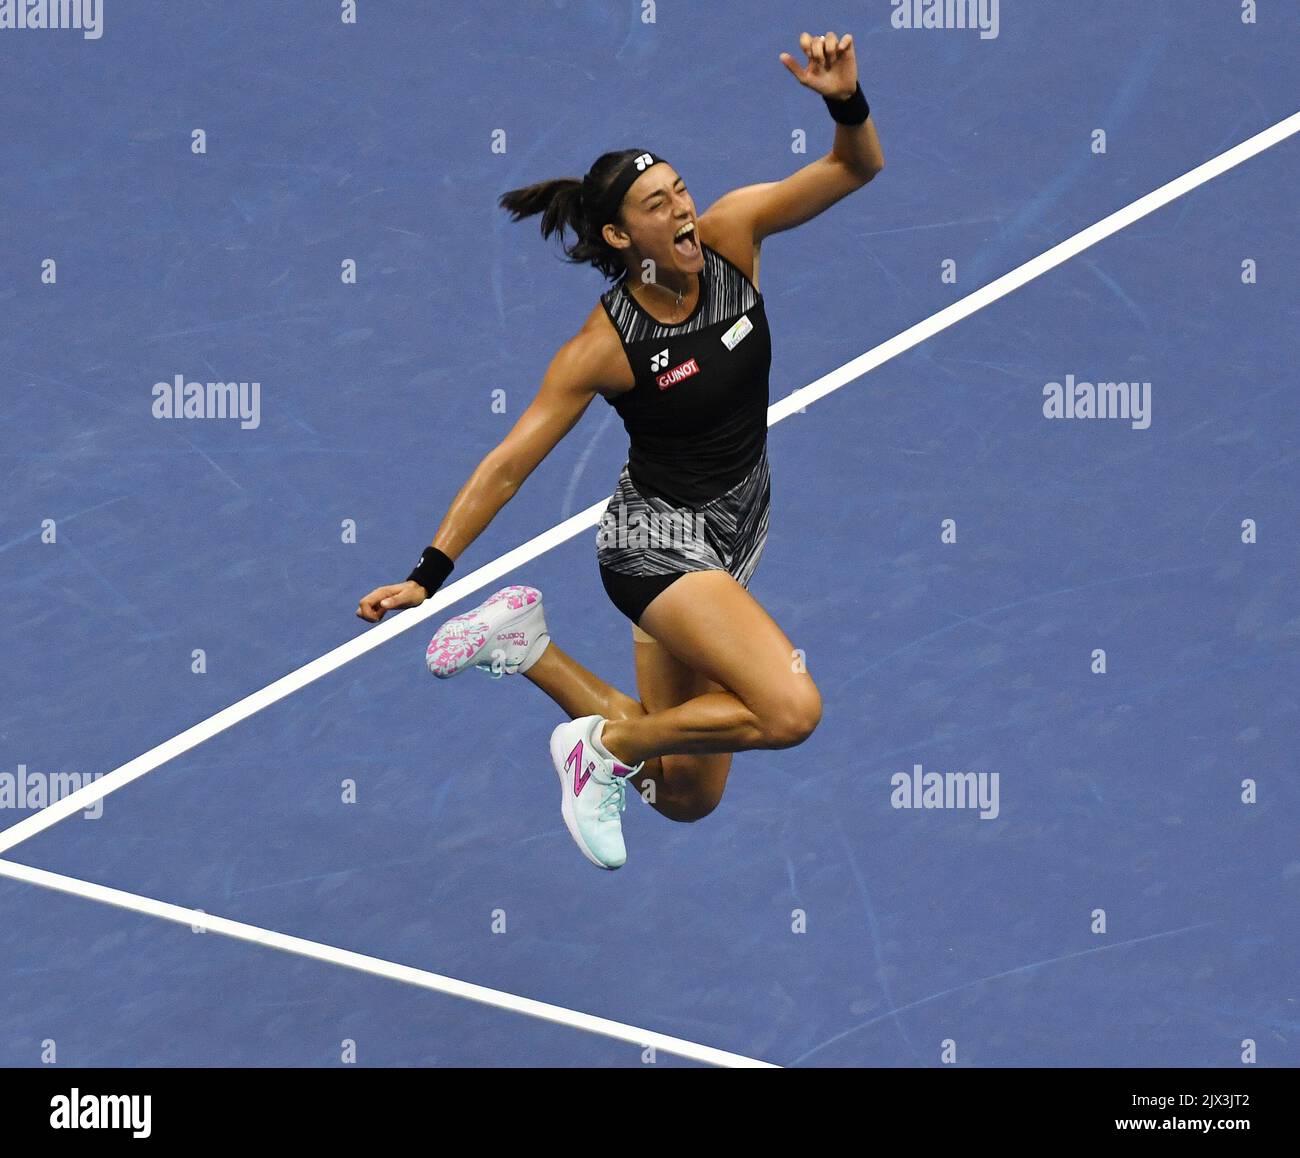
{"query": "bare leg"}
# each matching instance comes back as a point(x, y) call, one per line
point(714, 626)
point(682, 788)
point(687, 724)
point(580, 692)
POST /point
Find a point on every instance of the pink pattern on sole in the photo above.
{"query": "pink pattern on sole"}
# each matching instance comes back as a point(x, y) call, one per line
point(459, 640)
point(516, 598)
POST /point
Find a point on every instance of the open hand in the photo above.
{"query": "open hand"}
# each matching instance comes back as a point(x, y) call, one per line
point(832, 68)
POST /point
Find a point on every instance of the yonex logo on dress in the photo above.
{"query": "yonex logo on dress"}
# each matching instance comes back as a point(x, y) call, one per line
point(86, 15)
point(659, 361)
point(678, 374)
point(643, 162)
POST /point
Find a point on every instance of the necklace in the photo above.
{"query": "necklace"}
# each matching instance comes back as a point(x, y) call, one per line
point(678, 293)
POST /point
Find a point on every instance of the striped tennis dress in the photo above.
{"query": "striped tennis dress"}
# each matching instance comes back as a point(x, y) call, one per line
point(694, 494)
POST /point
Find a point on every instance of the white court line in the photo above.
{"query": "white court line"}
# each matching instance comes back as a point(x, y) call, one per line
point(538, 545)
point(380, 968)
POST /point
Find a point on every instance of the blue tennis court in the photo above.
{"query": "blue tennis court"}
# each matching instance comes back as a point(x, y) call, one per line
point(951, 560)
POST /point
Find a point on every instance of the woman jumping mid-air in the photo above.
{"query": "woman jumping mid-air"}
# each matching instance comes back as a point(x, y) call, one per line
point(680, 347)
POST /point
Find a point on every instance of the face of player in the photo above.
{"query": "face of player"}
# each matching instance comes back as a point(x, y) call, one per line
point(658, 221)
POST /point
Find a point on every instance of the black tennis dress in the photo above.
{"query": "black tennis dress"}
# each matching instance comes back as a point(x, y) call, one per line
point(694, 494)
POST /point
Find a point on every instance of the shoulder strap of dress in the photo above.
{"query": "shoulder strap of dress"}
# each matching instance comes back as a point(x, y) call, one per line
point(733, 293)
point(622, 313)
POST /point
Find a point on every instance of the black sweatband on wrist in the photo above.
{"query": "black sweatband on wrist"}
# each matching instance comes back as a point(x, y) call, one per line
point(432, 570)
point(853, 111)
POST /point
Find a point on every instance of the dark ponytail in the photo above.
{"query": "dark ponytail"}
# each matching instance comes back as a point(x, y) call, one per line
point(562, 204)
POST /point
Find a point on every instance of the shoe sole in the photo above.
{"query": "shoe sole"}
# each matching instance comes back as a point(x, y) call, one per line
point(558, 757)
point(461, 640)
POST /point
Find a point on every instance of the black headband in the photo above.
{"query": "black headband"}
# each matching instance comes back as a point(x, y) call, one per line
point(601, 211)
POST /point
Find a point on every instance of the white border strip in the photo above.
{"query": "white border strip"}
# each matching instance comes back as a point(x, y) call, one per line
point(407, 975)
point(900, 343)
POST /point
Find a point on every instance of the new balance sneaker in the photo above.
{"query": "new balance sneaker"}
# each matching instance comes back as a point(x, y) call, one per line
point(501, 636)
point(594, 790)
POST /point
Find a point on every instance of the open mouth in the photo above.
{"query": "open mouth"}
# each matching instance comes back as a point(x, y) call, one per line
point(685, 241)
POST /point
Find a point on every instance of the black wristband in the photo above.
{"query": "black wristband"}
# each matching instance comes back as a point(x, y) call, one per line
point(432, 570)
point(853, 111)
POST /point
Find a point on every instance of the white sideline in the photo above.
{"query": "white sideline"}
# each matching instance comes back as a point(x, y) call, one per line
point(379, 967)
point(538, 545)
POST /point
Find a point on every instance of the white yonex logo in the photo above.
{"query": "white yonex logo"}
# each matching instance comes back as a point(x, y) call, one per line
point(643, 162)
point(659, 361)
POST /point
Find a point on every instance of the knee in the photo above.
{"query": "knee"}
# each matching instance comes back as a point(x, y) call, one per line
point(687, 809)
point(689, 787)
point(794, 718)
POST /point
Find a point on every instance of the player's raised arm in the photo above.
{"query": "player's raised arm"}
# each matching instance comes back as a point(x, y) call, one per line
point(855, 157)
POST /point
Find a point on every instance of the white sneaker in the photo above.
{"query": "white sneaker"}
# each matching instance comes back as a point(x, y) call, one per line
point(501, 636)
point(594, 790)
